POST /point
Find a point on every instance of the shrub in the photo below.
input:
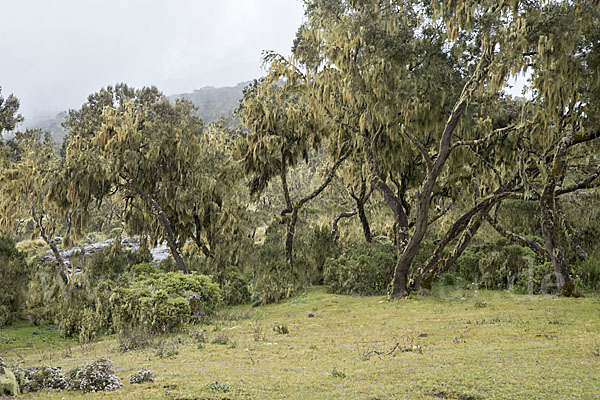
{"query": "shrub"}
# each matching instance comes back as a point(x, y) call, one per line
point(364, 269)
point(15, 273)
point(159, 301)
point(45, 378)
point(315, 247)
point(166, 349)
point(588, 272)
point(235, 287)
point(499, 265)
point(143, 375)
point(134, 338)
point(274, 281)
point(94, 377)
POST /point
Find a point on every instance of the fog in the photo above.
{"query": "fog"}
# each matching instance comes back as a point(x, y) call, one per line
point(54, 53)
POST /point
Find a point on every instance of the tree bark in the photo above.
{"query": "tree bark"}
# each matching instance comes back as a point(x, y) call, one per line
point(51, 244)
point(361, 200)
point(560, 264)
point(516, 238)
point(167, 229)
point(292, 208)
point(334, 230)
point(289, 237)
point(364, 222)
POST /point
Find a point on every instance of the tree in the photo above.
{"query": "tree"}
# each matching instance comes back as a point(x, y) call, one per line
point(415, 87)
point(9, 116)
point(281, 133)
point(24, 187)
point(155, 157)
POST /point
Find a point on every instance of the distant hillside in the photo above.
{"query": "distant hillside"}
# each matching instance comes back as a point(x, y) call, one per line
point(213, 103)
point(54, 126)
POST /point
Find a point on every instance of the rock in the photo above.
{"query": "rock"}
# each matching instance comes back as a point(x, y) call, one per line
point(311, 314)
point(423, 335)
point(8, 382)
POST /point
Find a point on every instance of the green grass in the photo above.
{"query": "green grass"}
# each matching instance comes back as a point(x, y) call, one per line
point(453, 344)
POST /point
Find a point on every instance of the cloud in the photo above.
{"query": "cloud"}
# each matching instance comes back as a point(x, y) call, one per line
point(55, 53)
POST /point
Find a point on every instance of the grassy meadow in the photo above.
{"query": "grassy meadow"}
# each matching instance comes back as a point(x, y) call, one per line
point(454, 344)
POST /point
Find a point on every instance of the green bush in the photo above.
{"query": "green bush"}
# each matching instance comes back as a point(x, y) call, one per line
point(235, 287)
point(315, 247)
point(588, 272)
point(159, 301)
point(274, 281)
point(15, 273)
point(499, 265)
point(363, 269)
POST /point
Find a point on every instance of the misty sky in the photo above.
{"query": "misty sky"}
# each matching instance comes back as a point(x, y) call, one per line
point(54, 53)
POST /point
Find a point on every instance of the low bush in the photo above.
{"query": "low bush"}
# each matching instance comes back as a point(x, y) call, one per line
point(588, 272)
point(363, 269)
point(44, 378)
point(143, 375)
point(235, 287)
point(159, 301)
point(94, 377)
point(274, 281)
point(501, 265)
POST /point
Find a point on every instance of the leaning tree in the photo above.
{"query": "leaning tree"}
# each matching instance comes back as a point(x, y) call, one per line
point(415, 88)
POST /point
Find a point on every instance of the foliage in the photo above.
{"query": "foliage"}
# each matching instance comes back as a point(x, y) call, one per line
point(83, 305)
point(112, 262)
point(497, 265)
point(9, 116)
point(273, 281)
point(362, 269)
point(44, 378)
point(143, 375)
point(94, 377)
point(159, 301)
point(16, 273)
point(235, 288)
point(588, 272)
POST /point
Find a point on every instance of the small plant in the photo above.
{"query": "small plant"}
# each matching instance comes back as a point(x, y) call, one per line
point(281, 329)
point(166, 349)
point(94, 377)
point(44, 378)
point(221, 338)
point(143, 375)
point(480, 304)
point(458, 339)
point(220, 387)
point(337, 373)
point(199, 336)
point(412, 347)
point(134, 338)
point(257, 331)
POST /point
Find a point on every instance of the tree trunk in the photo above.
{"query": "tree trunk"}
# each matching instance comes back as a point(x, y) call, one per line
point(364, 221)
point(168, 231)
point(334, 230)
point(564, 285)
point(289, 238)
point(51, 244)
